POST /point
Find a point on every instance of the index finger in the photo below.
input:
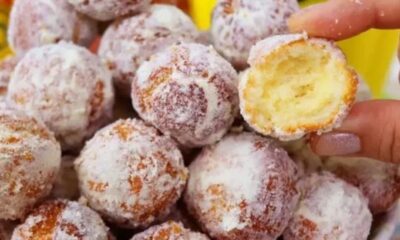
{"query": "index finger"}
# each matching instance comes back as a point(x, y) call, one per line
point(340, 19)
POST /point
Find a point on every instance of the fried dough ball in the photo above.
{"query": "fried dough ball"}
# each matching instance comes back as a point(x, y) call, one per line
point(296, 85)
point(379, 181)
point(136, 177)
point(239, 24)
point(329, 209)
point(40, 22)
point(128, 43)
point(30, 159)
point(244, 187)
point(188, 92)
point(65, 86)
point(62, 219)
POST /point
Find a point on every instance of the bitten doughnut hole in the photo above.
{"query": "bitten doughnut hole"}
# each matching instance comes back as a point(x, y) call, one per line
point(298, 87)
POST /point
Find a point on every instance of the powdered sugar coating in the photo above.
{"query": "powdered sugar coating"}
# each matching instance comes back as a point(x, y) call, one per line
point(6, 69)
point(170, 231)
point(379, 181)
point(188, 92)
point(41, 22)
point(67, 87)
point(30, 158)
point(128, 43)
point(105, 10)
point(242, 188)
point(62, 220)
point(239, 24)
point(267, 47)
point(147, 177)
point(330, 209)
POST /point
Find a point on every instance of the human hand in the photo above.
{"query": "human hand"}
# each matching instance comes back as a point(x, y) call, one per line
point(341, 19)
point(372, 128)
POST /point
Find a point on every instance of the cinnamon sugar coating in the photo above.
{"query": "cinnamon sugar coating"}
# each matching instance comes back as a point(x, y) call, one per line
point(244, 187)
point(40, 22)
point(30, 158)
point(239, 24)
point(67, 87)
point(188, 92)
point(137, 176)
point(128, 43)
point(62, 220)
point(329, 209)
point(377, 180)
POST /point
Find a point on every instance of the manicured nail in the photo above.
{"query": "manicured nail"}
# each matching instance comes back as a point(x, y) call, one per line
point(337, 144)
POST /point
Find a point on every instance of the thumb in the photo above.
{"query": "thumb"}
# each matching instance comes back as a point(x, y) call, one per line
point(371, 130)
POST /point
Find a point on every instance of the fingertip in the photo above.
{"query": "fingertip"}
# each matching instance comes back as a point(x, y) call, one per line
point(312, 21)
point(371, 130)
point(294, 23)
point(298, 22)
point(335, 20)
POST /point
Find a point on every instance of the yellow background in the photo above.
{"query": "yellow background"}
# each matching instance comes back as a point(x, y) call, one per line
point(370, 53)
point(4, 11)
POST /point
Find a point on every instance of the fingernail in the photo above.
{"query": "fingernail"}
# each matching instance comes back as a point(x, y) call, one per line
point(337, 144)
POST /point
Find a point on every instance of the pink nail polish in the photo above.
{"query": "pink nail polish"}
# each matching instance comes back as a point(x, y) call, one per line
point(337, 144)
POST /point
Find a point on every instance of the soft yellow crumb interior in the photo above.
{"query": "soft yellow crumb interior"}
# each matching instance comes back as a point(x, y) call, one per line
point(299, 86)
